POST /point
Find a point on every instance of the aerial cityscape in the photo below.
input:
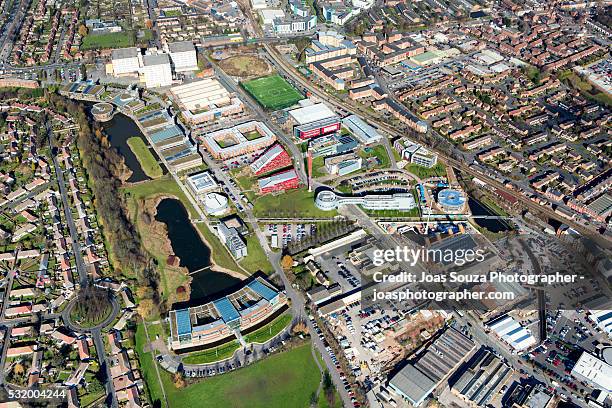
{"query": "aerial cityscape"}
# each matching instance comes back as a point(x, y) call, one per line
point(306, 203)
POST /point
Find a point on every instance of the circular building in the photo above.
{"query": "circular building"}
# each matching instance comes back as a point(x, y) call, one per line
point(102, 111)
point(326, 200)
point(215, 204)
point(451, 200)
point(606, 355)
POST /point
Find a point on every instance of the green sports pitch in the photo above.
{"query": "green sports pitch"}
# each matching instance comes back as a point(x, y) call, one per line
point(272, 92)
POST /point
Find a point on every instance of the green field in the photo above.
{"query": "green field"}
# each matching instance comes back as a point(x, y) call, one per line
point(111, 40)
point(145, 157)
point(256, 258)
point(293, 203)
point(272, 92)
point(287, 379)
point(270, 330)
point(214, 354)
point(421, 172)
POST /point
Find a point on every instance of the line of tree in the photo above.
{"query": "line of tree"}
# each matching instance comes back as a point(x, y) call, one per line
point(103, 166)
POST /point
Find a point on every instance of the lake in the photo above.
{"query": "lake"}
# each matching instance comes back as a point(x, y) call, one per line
point(119, 129)
point(193, 252)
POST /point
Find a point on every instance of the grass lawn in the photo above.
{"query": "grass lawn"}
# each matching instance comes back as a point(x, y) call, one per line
point(219, 253)
point(147, 367)
point(423, 172)
point(214, 354)
point(252, 135)
point(272, 92)
point(270, 330)
point(163, 185)
point(256, 258)
point(145, 157)
point(377, 151)
point(393, 213)
point(298, 203)
point(122, 39)
point(282, 380)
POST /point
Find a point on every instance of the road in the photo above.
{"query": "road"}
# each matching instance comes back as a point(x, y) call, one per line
point(81, 269)
point(289, 71)
point(74, 235)
point(288, 141)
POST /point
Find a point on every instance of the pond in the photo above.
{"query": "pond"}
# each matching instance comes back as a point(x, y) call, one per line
point(119, 129)
point(492, 224)
point(193, 252)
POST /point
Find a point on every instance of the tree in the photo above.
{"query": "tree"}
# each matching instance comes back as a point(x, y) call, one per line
point(83, 30)
point(149, 24)
point(18, 369)
point(179, 382)
point(286, 262)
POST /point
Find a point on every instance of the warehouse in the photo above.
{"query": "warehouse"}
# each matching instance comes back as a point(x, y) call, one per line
point(510, 331)
point(362, 131)
point(483, 379)
point(594, 371)
point(417, 380)
point(314, 120)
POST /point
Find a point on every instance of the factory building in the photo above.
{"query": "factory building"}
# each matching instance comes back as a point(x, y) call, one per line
point(314, 120)
point(415, 381)
point(482, 380)
point(593, 371)
point(511, 332)
point(365, 133)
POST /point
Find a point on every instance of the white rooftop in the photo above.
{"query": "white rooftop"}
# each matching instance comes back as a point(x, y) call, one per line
point(596, 371)
point(311, 113)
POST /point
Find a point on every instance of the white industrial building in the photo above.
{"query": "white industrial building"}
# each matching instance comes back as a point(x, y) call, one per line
point(362, 131)
point(183, 55)
point(156, 70)
point(593, 371)
point(603, 319)
point(311, 113)
point(511, 332)
point(268, 15)
point(126, 61)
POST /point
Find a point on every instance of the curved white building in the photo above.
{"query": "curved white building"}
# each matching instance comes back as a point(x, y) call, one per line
point(215, 204)
point(328, 200)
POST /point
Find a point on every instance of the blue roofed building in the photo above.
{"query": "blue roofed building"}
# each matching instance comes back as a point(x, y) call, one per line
point(216, 321)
